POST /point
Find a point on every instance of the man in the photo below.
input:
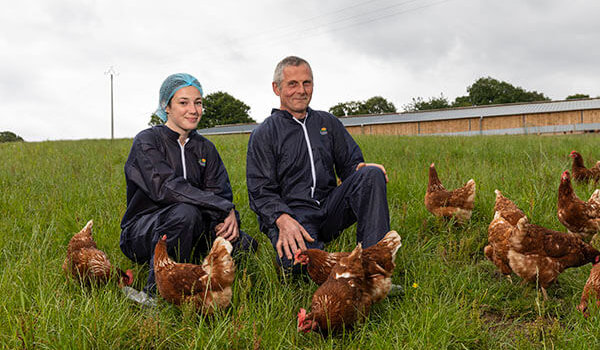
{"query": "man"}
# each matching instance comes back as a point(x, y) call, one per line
point(292, 162)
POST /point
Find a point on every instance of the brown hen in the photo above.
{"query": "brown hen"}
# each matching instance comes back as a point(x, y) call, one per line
point(457, 203)
point(506, 216)
point(340, 301)
point(579, 217)
point(87, 263)
point(580, 172)
point(591, 290)
point(378, 264)
point(508, 210)
point(538, 253)
point(318, 262)
point(206, 286)
point(496, 251)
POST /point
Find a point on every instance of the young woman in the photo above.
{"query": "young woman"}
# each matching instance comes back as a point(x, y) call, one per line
point(177, 185)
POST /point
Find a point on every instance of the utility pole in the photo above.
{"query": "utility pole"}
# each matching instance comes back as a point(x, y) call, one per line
point(112, 72)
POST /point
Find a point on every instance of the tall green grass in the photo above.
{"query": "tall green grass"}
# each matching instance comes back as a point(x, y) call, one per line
point(454, 298)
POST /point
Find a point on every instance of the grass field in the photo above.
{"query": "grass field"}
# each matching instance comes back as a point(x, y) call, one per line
point(454, 299)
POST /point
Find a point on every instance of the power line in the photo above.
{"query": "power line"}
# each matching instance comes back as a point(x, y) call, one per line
point(304, 34)
point(315, 30)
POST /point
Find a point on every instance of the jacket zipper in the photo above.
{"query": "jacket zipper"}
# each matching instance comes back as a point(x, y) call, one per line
point(310, 154)
point(182, 147)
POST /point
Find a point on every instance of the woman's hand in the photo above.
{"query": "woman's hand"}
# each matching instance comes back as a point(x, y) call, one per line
point(228, 229)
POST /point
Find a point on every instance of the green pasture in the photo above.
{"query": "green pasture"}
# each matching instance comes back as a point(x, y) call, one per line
point(454, 298)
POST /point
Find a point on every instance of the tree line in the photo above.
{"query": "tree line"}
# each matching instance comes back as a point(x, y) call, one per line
point(220, 108)
point(484, 91)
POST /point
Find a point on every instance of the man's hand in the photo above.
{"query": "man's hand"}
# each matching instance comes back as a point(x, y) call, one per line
point(228, 229)
point(362, 165)
point(291, 236)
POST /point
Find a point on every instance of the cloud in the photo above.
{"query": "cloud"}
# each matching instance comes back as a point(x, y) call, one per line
point(54, 87)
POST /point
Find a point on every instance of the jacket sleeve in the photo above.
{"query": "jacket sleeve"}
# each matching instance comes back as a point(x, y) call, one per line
point(347, 154)
point(264, 191)
point(149, 170)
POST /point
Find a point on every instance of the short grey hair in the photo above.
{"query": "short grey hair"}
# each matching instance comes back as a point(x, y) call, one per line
point(286, 62)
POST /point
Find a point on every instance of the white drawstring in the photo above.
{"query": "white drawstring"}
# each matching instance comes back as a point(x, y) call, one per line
point(310, 154)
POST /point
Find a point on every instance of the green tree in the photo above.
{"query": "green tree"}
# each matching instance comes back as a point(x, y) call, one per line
point(374, 105)
point(577, 96)
point(419, 104)
point(7, 136)
point(378, 105)
point(155, 120)
point(486, 91)
point(346, 108)
point(462, 101)
point(219, 108)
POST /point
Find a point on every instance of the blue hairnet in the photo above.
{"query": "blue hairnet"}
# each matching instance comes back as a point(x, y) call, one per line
point(170, 86)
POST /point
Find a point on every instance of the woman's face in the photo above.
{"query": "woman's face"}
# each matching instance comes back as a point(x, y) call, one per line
point(184, 110)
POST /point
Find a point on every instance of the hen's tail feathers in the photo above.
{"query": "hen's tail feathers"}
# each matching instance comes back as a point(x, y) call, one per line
point(88, 227)
point(220, 241)
point(393, 241)
point(471, 184)
point(595, 197)
point(219, 259)
point(499, 197)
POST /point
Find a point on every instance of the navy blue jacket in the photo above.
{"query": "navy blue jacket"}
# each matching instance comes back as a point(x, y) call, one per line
point(278, 165)
point(154, 175)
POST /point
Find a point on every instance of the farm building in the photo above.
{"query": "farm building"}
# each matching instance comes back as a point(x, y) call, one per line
point(548, 117)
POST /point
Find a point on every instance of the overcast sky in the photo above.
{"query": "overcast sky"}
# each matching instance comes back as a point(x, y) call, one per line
point(55, 54)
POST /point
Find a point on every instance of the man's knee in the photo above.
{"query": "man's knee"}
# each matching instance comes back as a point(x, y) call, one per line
point(371, 175)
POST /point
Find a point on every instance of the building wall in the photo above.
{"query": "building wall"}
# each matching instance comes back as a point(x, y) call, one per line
point(591, 116)
point(474, 124)
point(504, 122)
point(454, 125)
point(560, 118)
point(385, 129)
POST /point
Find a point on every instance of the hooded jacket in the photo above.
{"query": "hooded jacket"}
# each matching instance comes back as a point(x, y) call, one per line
point(156, 175)
point(291, 165)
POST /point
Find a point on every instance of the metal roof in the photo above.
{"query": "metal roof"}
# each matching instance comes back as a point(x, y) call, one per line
point(440, 114)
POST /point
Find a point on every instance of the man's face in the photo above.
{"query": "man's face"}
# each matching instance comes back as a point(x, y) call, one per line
point(295, 90)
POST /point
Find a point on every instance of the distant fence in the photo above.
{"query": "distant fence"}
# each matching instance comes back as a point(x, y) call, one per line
point(537, 130)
